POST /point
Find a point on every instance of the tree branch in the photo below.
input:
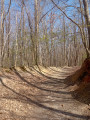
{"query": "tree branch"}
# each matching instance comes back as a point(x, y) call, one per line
point(46, 14)
point(7, 10)
point(66, 14)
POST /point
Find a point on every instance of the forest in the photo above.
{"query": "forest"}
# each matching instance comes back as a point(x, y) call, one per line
point(45, 59)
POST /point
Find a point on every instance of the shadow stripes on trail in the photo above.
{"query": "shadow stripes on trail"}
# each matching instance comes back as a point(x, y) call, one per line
point(29, 101)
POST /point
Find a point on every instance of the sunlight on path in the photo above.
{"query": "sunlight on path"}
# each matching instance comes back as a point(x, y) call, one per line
point(35, 95)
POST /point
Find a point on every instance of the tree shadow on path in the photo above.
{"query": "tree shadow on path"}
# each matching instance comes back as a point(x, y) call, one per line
point(30, 101)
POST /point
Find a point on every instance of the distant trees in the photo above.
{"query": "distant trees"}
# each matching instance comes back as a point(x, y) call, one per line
point(87, 18)
point(37, 33)
point(2, 31)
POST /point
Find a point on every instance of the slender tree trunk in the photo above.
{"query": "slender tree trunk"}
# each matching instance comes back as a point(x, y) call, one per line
point(36, 32)
point(2, 30)
point(9, 35)
point(87, 17)
point(16, 44)
point(64, 39)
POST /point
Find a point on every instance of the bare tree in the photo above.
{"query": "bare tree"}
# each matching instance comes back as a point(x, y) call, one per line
point(16, 43)
point(81, 30)
point(87, 17)
point(3, 18)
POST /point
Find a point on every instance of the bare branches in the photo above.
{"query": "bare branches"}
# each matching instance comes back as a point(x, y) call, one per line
point(46, 13)
point(29, 20)
point(66, 14)
point(7, 11)
point(81, 29)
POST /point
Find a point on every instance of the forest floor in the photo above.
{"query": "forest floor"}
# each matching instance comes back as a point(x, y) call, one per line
point(34, 95)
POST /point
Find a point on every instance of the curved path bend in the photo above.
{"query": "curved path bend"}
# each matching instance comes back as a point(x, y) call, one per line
point(32, 95)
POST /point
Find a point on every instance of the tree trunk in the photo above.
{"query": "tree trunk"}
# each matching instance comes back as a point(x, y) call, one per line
point(87, 17)
point(16, 44)
point(36, 32)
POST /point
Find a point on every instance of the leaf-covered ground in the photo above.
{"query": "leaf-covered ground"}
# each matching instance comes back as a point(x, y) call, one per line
point(35, 95)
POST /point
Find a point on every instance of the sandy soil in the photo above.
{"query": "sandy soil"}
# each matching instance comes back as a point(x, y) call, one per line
point(31, 95)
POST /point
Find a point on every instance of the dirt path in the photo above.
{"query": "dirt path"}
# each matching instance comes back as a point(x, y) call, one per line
point(39, 96)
